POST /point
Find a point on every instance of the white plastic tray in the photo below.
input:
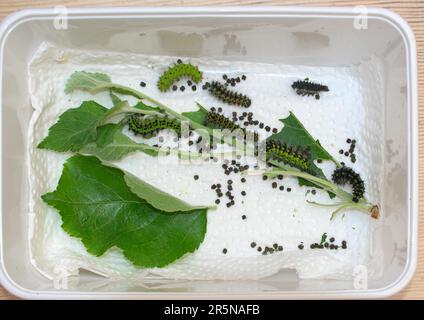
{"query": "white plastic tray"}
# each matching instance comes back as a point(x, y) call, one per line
point(309, 36)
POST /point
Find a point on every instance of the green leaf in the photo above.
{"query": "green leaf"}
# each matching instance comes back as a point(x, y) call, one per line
point(87, 81)
point(323, 237)
point(140, 105)
point(157, 198)
point(106, 133)
point(97, 206)
point(112, 144)
point(115, 99)
point(75, 128)
point(198, 116)
point(294, 133)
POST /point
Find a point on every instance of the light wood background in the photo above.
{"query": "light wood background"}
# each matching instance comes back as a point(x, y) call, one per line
point(411, 11)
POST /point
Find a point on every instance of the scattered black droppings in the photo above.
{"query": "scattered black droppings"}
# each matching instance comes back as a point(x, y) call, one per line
point(243, 193)
point(243, 180)
point(341, 151)
point(267, 128)
point(189, 83)
point(217, 201)
point(300, 246)
point(346, 153)
point(224, 251)
point(274, 130)
point(224, 76)
point(142, 84)
point(194, 88)
point(274, 185)
point(259, 249)
point(281, 188)
point(253, 244)
point(182, 88)
point(313, 191)
point(319, 160)
point(196, 177)
point(332, 239)
point(243, 77)
point(288, 189)
point(179, 61)
point(264, 178)
point(243, 217)
point(213, 187)
point(174, 87)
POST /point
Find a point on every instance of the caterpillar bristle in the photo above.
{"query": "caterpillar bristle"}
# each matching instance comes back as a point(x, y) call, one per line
point(308, 88)
point(177, 72)
point(218, 121)
point(150, 126)
point(345, 175)
point(294, 156)
point(221, 92)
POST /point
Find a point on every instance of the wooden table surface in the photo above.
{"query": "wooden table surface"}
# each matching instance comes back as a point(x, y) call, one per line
point(411, 11)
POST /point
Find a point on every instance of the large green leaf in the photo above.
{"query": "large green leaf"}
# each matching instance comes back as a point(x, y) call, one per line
point(112, 144)
point(75, 128)
point(157, 198)
point(97, 206)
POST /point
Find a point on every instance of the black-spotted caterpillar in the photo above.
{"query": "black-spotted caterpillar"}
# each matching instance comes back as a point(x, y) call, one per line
point(221, 92)
point(344, 175)
point(219, 121)
point(297, 157)
point(308, 88)
point(176, 72)
point(149, 126)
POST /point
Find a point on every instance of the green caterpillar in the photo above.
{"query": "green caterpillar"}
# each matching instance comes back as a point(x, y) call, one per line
point(150, 126)
point(176, 72)
point(221, 92)
point(293, 156)
point(218, 121)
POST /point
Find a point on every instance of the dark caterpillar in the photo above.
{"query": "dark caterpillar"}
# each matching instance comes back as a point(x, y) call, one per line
point(225, 95)
point(176, 72)
point(344, 175)
point(297, 157)
point(149, 127)
point(218, 121)
point(307, 88)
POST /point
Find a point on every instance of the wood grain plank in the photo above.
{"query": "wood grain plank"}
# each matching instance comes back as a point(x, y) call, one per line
point(411, 11)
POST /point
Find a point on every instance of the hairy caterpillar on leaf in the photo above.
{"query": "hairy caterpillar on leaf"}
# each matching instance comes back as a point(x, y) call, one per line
point(176, 72)
point(150, 126)
point(221, 92)
point(219, 121)
point(307, 88)
point(297, 157)
point(344, 175)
